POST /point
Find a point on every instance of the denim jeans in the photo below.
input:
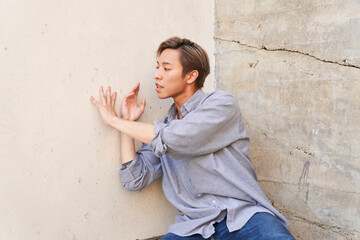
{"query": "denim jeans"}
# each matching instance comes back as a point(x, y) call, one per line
point(262, 226)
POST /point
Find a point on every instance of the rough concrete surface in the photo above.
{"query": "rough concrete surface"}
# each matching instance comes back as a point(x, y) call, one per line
point(295, 68)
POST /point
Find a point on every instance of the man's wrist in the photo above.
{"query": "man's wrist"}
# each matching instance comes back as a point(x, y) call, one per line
point(124, 118)
point(127, 118)
point(113, 121)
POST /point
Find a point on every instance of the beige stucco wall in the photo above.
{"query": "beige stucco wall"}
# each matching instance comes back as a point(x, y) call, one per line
point(59, 162)
point(295, 68)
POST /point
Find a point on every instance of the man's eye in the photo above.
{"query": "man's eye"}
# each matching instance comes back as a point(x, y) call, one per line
point(166, 69)
point(157, 67)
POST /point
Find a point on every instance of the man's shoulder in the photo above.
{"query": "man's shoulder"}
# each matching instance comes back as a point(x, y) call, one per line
point(219, 97)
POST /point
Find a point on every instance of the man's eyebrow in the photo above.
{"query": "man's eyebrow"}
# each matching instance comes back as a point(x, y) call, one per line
point(164, 63)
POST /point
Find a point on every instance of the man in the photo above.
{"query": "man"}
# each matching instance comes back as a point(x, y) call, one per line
point(200, 149)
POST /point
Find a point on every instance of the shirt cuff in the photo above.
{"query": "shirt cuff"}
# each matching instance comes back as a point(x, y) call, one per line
point(125, 165)
point(156, 144)
point(132, 171)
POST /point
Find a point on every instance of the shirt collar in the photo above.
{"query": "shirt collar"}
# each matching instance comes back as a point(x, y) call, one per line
point(192, 103)
point(187, 107)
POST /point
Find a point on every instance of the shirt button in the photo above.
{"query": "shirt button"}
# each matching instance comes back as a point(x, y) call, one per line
point(199, 195)
point(213, 201)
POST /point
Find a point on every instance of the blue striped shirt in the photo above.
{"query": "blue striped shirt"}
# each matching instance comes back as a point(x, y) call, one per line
point(204, 163)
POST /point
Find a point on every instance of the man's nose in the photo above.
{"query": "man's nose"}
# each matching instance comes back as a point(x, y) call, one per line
point(157, 74)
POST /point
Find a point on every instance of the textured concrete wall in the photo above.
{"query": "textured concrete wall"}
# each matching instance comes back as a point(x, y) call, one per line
point(58, 162)
point(295, 68)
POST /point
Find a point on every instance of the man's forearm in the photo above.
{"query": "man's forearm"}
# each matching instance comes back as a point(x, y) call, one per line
point(127, 148)
point(143, 132)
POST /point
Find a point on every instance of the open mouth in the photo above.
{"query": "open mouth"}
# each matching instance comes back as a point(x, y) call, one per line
point(158, 87)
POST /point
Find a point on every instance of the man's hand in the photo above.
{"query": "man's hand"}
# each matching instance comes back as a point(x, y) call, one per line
point(143, 132)
point(107, 106)
point(129, 108)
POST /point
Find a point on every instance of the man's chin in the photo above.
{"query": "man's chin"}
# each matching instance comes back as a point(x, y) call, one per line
point(161, 96)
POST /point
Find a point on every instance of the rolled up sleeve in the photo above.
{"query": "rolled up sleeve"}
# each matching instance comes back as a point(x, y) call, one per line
point(142, 171)
point(216, 123)
point(158, 146)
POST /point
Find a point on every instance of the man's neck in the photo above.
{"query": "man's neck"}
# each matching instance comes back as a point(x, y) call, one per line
point(181, 99)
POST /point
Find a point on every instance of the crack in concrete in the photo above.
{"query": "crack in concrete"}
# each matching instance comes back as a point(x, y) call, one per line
point(291, 51)
point(304, 177)
point(303, 151)
point(310, 186)
point(342, 231)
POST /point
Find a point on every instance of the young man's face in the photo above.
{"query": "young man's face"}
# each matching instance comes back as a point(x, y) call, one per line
point(169, 81)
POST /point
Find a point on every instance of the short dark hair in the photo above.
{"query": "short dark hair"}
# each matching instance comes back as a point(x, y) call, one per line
point(192, 57)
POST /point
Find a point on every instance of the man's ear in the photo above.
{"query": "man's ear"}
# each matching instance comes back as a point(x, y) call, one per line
point(192, 76)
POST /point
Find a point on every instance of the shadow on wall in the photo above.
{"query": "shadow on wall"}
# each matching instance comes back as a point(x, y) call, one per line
point(153, 238)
